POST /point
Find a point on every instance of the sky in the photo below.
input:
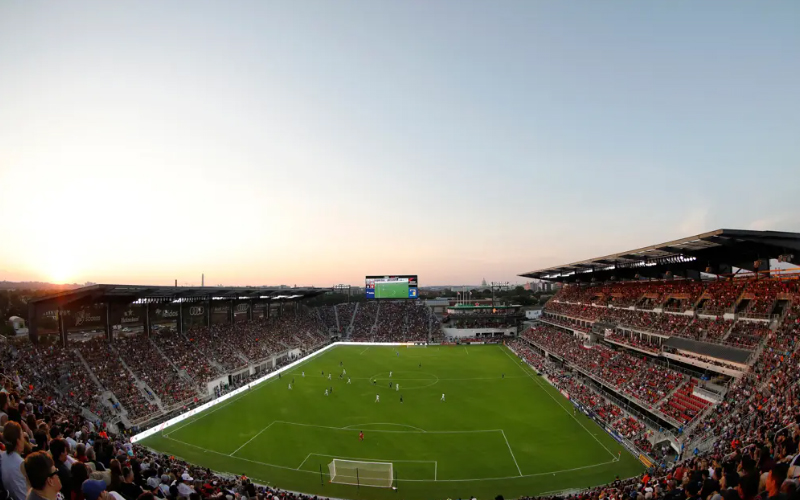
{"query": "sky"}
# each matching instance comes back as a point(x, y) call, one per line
point(316, 142)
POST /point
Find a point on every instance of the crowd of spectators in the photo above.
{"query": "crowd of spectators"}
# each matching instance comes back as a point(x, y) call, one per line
point(720, 296)
point(708, 329)
point(109, 370)
point(152, 368)
point(645, 343)
point(345, 313)
point(747, 334)
point(49, 452)
point(327, 315)
point(364, 321)
point(641, 380)
point(185, 356)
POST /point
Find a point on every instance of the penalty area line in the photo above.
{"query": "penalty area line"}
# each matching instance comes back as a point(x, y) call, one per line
point(403, 480)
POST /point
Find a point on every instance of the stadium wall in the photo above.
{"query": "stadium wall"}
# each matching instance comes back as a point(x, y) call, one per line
point(225, 397)
point(475, 332)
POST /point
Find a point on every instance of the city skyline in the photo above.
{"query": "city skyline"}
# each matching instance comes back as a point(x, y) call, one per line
point(312, 143)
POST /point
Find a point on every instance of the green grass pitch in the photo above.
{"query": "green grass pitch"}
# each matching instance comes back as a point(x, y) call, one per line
point(391, 290)
point(493, 435)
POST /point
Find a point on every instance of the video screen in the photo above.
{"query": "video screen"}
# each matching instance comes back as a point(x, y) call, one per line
point(392, 287)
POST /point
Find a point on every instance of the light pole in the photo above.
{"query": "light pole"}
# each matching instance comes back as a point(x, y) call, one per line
point(498, 286)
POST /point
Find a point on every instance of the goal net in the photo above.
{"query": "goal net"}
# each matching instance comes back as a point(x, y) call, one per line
point(378, 474)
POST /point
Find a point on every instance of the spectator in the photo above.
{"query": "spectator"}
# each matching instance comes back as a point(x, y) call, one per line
point(59, 449)
point(43, 476)
point(11, 461)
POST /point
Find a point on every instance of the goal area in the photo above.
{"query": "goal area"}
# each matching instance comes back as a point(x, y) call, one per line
point(377, 474)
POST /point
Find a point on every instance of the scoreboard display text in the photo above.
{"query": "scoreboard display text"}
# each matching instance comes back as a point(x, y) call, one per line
point(392, 287)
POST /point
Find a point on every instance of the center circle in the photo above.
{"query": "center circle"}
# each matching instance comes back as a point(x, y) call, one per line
point(406, 379)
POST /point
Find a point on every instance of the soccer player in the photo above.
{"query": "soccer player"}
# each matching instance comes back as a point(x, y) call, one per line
point(279, 375)
point(420, 365)
point(304, 374)
point(340, 376)
point(326, 392)
point(290, 387)
point(396, 387)
point(504, 375)
point(329, 376)
point(361, 436)
point(377, 398)
point(390, 385)
point(374, 382)
point(398, 354)
point(442, 397)
point(390, 374)
point(401, 398)
point(323, 373)
point(293, 380)
point(344, 372)
point(348, 380)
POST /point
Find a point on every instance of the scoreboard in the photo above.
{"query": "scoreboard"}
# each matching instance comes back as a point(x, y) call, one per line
point(403, 286)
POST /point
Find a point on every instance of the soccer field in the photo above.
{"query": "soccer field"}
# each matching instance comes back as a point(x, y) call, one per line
point(501, 430)
point(391, 290)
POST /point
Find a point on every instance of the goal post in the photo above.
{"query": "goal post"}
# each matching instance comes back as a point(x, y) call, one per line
point(358, 473)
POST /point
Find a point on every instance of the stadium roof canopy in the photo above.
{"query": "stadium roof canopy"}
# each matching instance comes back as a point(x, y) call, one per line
point(161, 294)
point(716, 252)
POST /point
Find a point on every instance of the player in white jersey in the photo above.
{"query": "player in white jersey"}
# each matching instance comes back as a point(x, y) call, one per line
point(326, 392)
point(290, 387)
point(344, 372)
point(390, 374)
point(329, 376)
point(304, 374)
point(377, 398)
point(397, 387)
point(348, 380)
point(442, 397)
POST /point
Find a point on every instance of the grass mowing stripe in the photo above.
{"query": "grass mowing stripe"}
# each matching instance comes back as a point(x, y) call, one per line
point(559, 404)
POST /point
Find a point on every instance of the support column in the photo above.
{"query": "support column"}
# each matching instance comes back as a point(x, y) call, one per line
point(180, 318)
point(251, 304)
point(62, 330)
point(33, 323)
point(208, 311)
point(109, 326)
point(147, 320)
point(232, 311)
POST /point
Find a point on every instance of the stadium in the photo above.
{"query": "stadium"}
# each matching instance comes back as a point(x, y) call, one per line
point(665, 371)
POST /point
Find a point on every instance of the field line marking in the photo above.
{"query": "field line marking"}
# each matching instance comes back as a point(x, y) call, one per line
point(237, 398)
point(465, 350)
point(510, 477)
point(560, 405)
point(383, 423)
point(409, 480)
point(435, 470)
point(512, 453)
point(304, 461)
point(388, 431)
point(382, 460)
point(365, 350)
point(252, 438)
